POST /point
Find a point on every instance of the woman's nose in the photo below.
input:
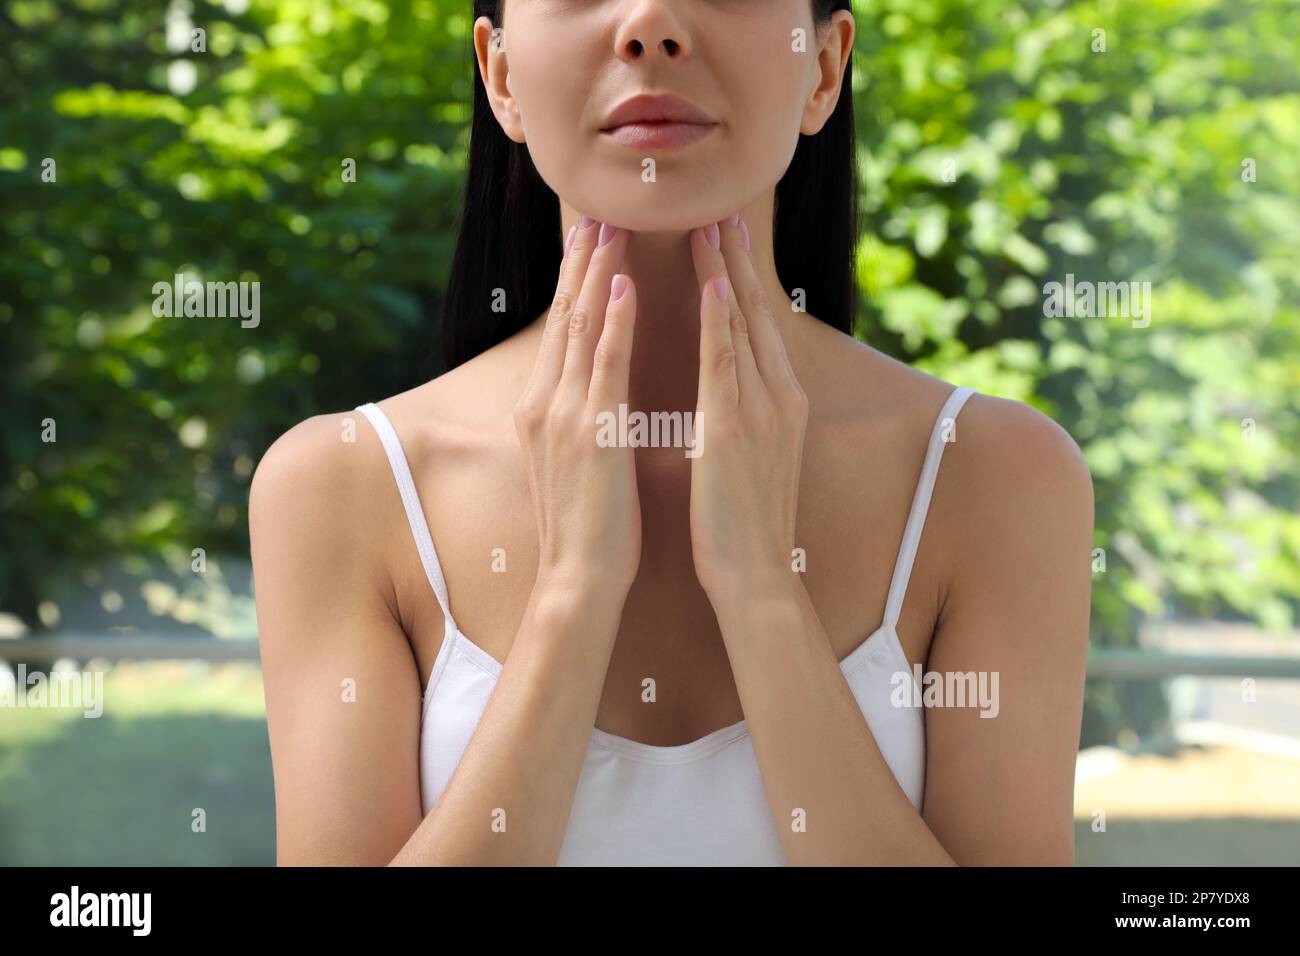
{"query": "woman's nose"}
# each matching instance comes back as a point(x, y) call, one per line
point(653, 28)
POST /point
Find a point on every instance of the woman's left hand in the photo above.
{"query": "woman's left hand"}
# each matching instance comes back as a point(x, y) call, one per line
point(750, 418)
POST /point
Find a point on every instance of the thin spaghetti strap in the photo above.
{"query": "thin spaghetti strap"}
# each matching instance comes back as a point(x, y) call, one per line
point(411, 501)
point(921, 504)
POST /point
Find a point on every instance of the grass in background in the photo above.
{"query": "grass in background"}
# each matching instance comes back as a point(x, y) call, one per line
point(121, 789)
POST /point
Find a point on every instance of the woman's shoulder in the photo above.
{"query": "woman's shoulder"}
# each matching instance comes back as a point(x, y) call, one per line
point(332, 464)
point(1005, 462)
point(312, 484)
point(867, 386)
point(462, 418)
point(317, 528)
point(1012, 499)
point(448, 410)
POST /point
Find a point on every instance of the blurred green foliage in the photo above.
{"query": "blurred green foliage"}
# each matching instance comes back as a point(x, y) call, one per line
point(1123, 164)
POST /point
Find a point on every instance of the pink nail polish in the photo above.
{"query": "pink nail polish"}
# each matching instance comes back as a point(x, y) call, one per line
point(586, 221)
point(735, 218)
point(617, 287)
point(720, 289)
point(744, 231)
point(712, 234)
point(568, 241)
point(607, 232)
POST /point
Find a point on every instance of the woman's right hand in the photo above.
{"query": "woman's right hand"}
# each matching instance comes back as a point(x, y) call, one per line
point(584, 495)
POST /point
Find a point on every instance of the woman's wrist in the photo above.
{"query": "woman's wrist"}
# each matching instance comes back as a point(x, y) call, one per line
point(570, 616)
point(582, 589)
point(744, 599)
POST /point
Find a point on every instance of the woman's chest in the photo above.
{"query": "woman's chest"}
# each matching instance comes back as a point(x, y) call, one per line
point(669, 651)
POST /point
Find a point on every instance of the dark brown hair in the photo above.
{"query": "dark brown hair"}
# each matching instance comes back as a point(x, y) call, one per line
point(509, 231)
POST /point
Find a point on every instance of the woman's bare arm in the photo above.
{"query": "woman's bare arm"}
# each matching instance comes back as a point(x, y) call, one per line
point(343, 697)
point(1000, 766)
point(999, 789)
point(343, 693)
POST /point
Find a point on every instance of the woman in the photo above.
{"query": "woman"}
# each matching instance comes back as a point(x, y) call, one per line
point(621, 653)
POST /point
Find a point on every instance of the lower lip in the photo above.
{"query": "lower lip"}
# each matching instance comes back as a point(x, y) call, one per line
point(659, 135)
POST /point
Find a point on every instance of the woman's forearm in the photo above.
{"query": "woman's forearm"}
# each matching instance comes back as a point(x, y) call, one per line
point(817, 754)
point(509, 799)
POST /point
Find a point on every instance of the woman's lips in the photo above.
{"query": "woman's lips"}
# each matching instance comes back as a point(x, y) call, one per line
point(659, 135)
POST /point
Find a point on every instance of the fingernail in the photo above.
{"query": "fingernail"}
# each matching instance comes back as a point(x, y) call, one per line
point(568, 241)
point(744, 231)
point(607, 232)
point(711, 233)
point(617, 287)
point(735, 218)
point(719, 286)
point(586, 221)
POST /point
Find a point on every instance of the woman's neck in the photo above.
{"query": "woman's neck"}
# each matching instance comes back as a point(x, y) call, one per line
point(666, 350)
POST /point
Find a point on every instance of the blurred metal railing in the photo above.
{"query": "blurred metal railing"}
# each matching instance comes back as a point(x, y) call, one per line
point(85, 646)
point(1115, 663)
point(1125, 664)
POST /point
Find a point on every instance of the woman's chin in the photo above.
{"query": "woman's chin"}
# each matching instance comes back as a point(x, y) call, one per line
point(644, 223)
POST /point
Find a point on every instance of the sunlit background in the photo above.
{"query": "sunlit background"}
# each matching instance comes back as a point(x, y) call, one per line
point(1003, 146)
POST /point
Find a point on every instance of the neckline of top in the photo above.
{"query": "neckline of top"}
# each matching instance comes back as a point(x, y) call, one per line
point(710, 743)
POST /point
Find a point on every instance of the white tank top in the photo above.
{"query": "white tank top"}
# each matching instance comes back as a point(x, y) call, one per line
point(699, 803)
